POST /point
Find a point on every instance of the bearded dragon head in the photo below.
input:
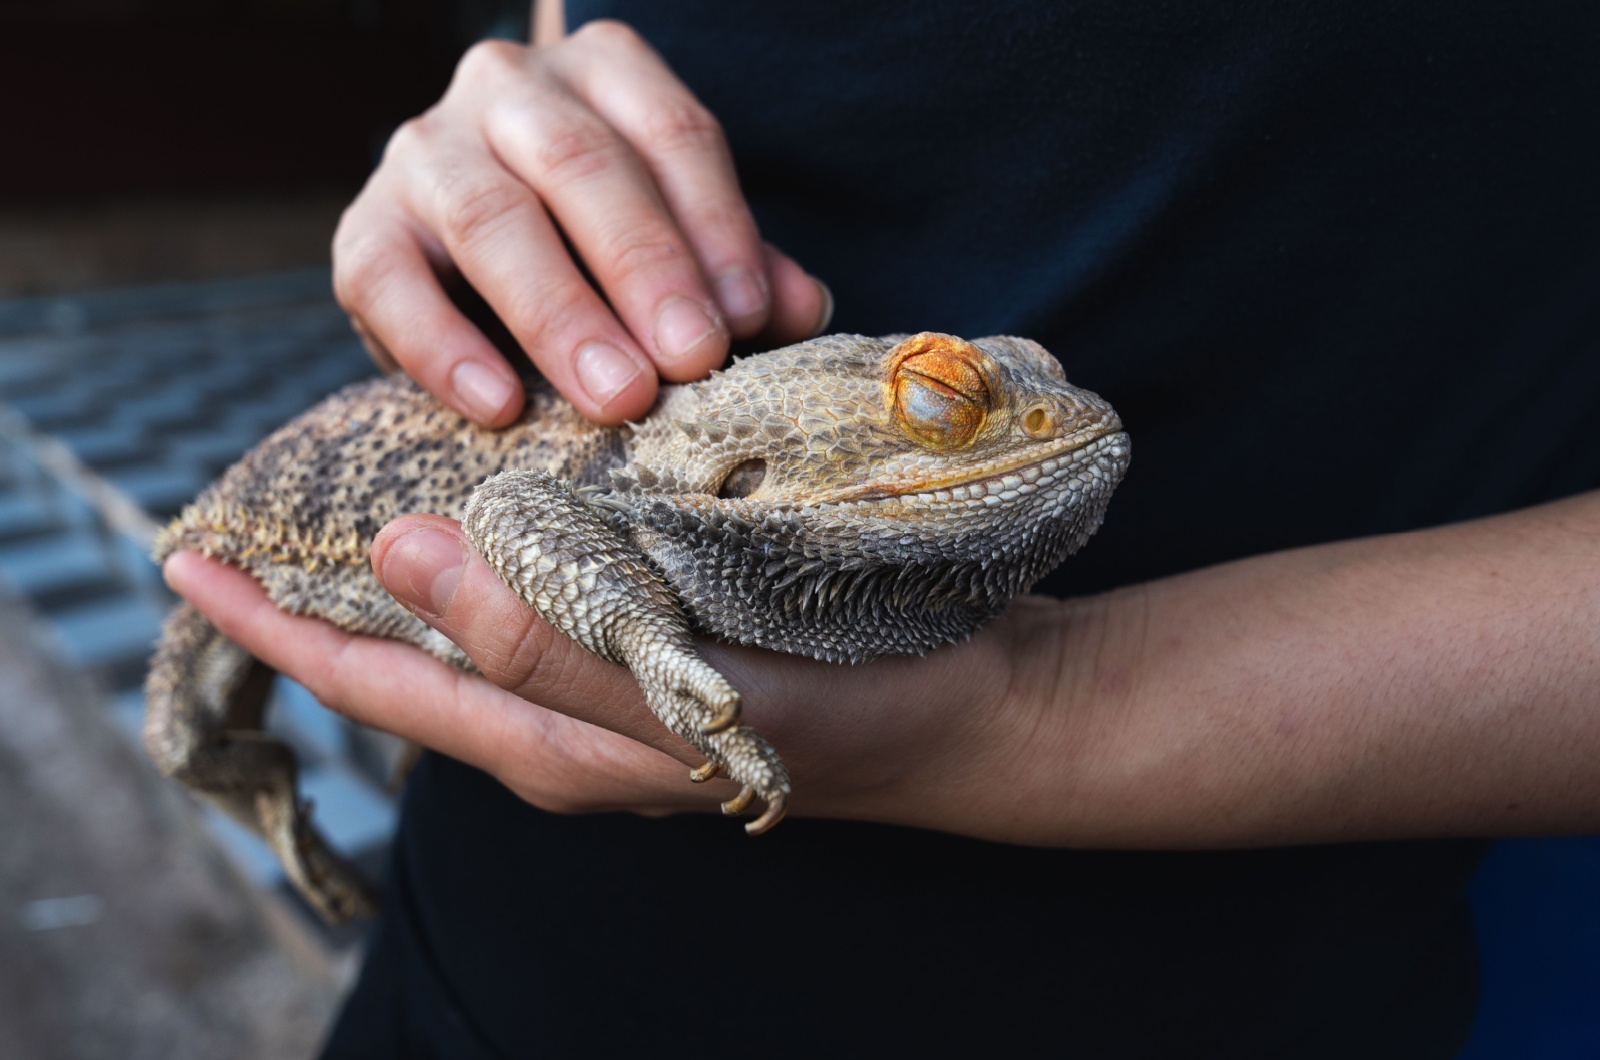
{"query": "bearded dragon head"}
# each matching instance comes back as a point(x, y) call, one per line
point(924, 479)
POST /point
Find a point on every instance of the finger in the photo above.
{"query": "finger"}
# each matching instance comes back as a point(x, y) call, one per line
point(375, 349)
point(428, 565)
point(354, 675)
point(385, 282)
point(498, 234)
point(612, 69)
point(802, 304)
point(555, 761)
point(610, 209)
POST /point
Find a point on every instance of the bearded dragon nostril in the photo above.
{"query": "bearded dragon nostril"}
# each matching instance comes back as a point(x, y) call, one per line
point(901, 512)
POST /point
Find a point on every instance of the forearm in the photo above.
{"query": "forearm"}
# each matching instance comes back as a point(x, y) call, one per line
point(1444, 682)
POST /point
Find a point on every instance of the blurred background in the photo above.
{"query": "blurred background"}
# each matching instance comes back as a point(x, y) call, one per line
point(182, 139)
point(171, 176)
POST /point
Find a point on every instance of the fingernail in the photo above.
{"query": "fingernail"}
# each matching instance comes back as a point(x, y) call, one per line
point(604, 371)
point(826, 316)
point(739, 293)
point(681, 326)
point(428, 571)
point(482, 389)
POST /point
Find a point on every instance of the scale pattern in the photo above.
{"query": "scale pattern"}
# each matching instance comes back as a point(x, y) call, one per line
point(843, 498)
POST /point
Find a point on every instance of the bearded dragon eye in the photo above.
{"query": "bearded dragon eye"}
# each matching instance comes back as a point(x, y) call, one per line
point(940, 394)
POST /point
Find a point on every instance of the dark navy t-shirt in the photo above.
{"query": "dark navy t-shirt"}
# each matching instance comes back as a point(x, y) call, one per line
point(1338, 267)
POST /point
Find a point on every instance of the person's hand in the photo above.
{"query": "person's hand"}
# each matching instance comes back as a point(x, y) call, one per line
point(904, 740)
point(541, 164)
point(1441, 682)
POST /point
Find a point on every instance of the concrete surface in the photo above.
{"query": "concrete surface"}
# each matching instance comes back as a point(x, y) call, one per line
point(121, 936)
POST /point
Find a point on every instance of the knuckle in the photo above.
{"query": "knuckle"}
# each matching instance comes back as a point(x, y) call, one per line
point(728, 216)
point(472, 208)
point(522, 655)
point(488, 60)
point(673, 126)
point(360, 266)
point(543, 312)
point(607, 34)
point(575, 151)
point(642, 250)
point(406, 138)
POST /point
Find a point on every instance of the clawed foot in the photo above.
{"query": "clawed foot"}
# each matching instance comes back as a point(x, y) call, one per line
point(777, 803)
point(732, 749)
point(564, 557)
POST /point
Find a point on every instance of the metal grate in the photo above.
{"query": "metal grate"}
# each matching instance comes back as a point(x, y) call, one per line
point(116, 408)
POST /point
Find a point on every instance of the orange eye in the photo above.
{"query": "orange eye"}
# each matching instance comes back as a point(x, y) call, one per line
point(940, 394)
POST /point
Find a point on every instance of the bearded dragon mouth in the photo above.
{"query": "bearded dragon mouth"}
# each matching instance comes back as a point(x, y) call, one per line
point(1023, 473)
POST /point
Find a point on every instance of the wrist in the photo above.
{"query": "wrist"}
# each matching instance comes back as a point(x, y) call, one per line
point(1016, 759)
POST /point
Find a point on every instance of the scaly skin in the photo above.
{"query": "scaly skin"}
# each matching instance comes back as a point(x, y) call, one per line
point(843, 498)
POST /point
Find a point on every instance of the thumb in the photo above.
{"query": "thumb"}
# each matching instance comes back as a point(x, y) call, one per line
point(427, 563)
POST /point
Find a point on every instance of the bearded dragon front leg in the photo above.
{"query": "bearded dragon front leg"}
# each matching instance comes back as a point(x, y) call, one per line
point(583, 577)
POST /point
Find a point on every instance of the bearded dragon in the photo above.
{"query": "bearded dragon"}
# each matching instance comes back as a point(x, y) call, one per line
point(843, 498)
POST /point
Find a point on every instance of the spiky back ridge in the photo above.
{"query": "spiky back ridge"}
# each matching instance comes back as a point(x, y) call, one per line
point(314, 493)
point(778, 568)
point(845, 584)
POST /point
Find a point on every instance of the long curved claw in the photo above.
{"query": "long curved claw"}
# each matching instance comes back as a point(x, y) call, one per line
point(704, 772)
point(776, 808)
point(737, 804)
point(726, 720)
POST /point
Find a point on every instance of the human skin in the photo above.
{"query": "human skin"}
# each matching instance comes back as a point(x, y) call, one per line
point(1442, 682)
point(595, 135)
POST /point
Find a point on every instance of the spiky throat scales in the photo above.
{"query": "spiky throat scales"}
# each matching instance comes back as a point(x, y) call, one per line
point(856, 497)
